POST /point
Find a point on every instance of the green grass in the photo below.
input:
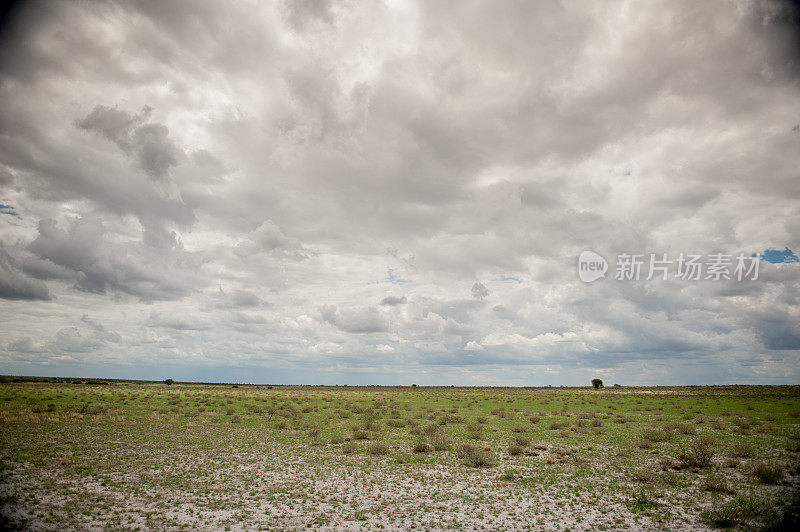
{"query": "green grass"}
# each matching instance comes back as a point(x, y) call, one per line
point(124, 455)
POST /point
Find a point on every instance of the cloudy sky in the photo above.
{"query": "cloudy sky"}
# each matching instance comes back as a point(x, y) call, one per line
point(392, 192)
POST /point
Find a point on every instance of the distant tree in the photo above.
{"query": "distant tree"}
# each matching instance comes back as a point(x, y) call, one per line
point(169, 382)
point(597, 383)
point(413, 385)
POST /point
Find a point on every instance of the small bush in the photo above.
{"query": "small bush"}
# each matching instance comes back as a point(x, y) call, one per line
point(742, 449)
point(534, 419)
point(474, 456)
point(716, 483)
point(510, 474)
point(349, 448)
point(515, 449)
point(699, 453)
point(359, 434)
point(420, 446)
point(767, 472)
point(735, 512)
point(522, 440)
point(645, 476)
point(656, 436)
point(378, 448)
point(474, 432)
point(440, 441)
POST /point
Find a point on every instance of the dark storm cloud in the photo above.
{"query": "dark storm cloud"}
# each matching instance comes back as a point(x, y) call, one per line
point(14, 284)
point(242, 169)
point(100, 265)
point(148, 142)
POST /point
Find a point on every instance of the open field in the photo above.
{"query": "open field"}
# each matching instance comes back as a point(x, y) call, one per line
point(127, 456)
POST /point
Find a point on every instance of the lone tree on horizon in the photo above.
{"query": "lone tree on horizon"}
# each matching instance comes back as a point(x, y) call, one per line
point(597, 383)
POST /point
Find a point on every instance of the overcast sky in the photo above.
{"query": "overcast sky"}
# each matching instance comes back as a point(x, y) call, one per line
point(392, 192)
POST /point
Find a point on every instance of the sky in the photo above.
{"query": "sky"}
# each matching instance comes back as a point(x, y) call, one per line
point(397, 192)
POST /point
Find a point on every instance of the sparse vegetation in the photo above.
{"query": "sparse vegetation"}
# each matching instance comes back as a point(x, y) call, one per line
point(475, 456)
point(363, 453)
point(698, 453)
point(767, 472)
point(739, 511)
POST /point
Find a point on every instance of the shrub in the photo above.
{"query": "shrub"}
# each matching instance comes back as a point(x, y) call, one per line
point(359, 434)
point(420, 446)
point(450, 418)
point(474, 432)
point(515, 449)
point(716, 483)
point(645, 476)
point(656, 436)
point(731, 463)
point(349, 448)
point(440, 441)
point(510, 474)
point(767, 472)
point(597, 383)
point(430, 429)
point(378, 448)
point(699, 453)
point(534, 419)
point(735, 512)
point(522, 440)
point(169, 382)
point(474, 456)
point(742, 449)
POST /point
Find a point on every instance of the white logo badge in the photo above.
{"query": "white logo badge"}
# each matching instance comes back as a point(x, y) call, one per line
point(591, 266)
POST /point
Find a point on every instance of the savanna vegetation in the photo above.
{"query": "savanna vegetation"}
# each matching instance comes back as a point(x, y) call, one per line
point(84, 454)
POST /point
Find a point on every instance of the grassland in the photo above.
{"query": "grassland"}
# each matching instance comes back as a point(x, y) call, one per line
point(144, 456)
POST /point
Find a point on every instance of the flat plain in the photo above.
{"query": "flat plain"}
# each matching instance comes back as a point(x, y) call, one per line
point(88, 455)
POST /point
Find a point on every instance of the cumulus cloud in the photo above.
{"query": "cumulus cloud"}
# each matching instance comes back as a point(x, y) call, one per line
point(354, 320)
point(85, 251)
point(297, 187)
point(148, 142)
point(14, 284)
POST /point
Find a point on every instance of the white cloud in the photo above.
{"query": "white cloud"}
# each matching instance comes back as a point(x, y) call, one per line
point(293, 188)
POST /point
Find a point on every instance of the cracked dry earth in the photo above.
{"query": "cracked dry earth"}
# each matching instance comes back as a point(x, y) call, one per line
point(134, 456)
